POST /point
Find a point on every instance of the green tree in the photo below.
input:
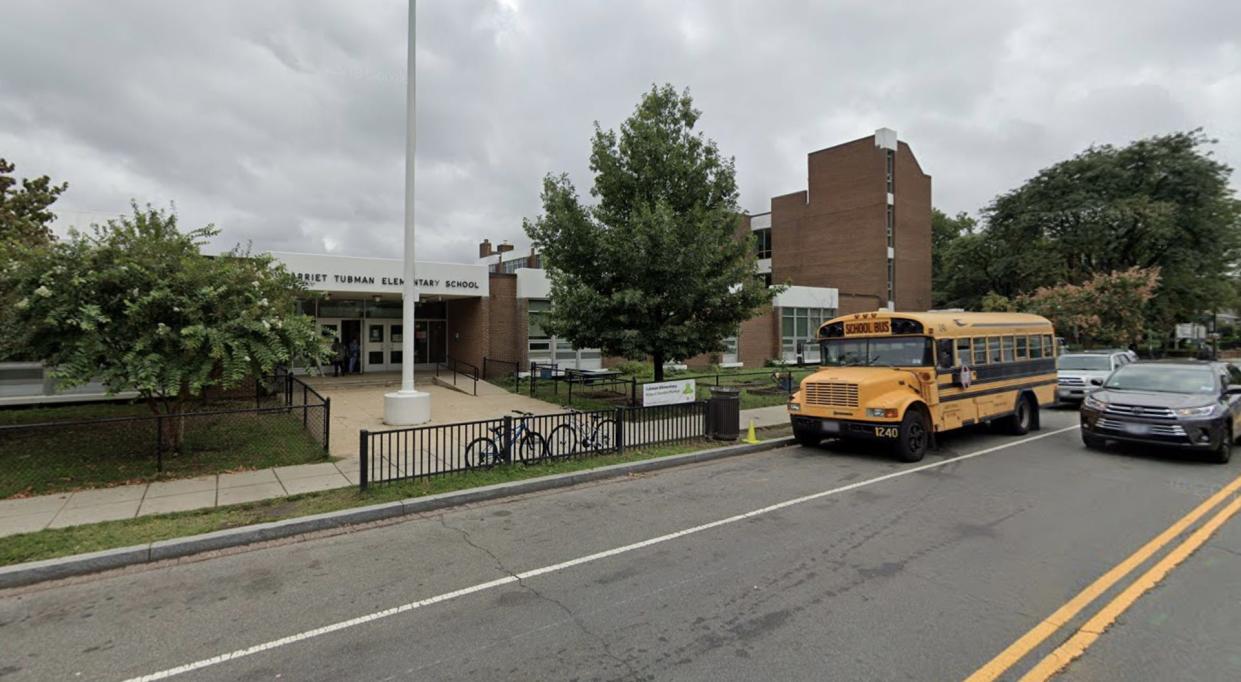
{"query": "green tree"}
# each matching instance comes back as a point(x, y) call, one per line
point(24, 213)
point(654, 268)
point(1159, 202)
point(25, 220)
point(945, 230)
point(136, 306)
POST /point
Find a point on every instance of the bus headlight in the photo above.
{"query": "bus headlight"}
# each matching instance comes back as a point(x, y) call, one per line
point(794, 407)
point(881, 412)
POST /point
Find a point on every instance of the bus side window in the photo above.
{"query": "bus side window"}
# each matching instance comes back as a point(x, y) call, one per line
point(980, 350)
point(1049, 346)
point(1007, 345)
point(1022, 353)
point(1036, 348)
point(993, 350)
point(945, 353)
point(964, 356)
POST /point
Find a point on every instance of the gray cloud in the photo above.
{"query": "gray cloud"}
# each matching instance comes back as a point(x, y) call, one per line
point(283, 121)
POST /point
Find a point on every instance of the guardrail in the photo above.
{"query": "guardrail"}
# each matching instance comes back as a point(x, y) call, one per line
point(459, 367)
point(524, 438)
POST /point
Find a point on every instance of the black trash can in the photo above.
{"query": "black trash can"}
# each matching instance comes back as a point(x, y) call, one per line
point(724, 413)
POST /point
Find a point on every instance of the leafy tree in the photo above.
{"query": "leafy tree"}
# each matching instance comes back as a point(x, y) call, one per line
point(654, 268)
point(945, 230)
point(136, 306)
point(24, 213)
point(24, 221)
point(1159, 202)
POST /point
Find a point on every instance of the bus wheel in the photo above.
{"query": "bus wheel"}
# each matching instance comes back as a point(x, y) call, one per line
point(1022, 419)
point(914, 437)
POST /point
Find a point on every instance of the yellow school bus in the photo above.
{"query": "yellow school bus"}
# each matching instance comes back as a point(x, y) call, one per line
point(902, 377)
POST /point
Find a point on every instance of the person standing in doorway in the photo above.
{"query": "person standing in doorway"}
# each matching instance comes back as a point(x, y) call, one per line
point(355, 351)
point(338, 356)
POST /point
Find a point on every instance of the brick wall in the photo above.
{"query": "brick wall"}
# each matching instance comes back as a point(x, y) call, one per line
point(468, 329)
point(834, 233)
point(506, 327)
point(913, 233)
point(760, 339)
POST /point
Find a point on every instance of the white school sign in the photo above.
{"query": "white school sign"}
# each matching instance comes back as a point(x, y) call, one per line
point(669, 393)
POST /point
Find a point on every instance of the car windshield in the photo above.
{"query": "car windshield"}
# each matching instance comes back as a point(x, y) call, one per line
point(1085, 362)
point(1162, 379)
point(903, 352)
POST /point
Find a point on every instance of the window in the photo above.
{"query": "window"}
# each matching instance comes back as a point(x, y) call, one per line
point(945, 357)
point(1007, 346)
point(980, 351)
point(766, 277)
point(1022, 353)
point(1234, 374)
point(963, 352)
point(1049, 346)
point(891, 227)
point(762, 242)
point(891, 280)
point(878, 352)
point(993, 350)
point(801, 326)
point(1036, 348)
point(891, 171)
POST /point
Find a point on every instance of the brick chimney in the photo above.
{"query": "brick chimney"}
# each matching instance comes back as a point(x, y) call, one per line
point(504, 247)
point(484, 249)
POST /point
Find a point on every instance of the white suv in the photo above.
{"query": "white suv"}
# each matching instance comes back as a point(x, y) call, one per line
point(1084, 371)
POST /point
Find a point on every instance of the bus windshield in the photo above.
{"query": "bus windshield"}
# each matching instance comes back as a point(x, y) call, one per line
point(880, 352)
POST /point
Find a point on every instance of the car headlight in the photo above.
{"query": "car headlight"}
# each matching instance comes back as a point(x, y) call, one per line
point(881, 412)
point(1204, 411)
point(1094, 403)
point(794, 407)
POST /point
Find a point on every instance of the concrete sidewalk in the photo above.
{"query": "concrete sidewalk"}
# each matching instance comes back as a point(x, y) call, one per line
point(130, 501)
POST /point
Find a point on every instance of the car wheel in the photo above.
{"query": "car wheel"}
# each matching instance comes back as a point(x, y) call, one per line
point(914, 437)
point(1223, 453)
point(1092, 441)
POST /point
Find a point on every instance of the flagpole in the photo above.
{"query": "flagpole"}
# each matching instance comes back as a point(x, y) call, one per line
point(408, 406)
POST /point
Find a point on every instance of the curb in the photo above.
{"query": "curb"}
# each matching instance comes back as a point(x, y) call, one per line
point(20, 575)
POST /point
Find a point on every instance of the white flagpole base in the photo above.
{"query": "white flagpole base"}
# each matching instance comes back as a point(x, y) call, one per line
point(407, 408)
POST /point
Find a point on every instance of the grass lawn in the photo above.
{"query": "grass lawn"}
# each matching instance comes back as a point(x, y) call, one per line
point(48, 544)
point(758, 389)
point(48, 460)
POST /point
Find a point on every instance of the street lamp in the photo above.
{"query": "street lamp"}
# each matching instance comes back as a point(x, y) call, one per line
point(408, 406)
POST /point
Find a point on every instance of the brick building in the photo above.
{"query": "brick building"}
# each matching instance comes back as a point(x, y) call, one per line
point(857, 238)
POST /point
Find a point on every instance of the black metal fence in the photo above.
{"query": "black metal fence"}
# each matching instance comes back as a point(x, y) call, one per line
point(421, 451)
point(59, 447)
point(587, 385)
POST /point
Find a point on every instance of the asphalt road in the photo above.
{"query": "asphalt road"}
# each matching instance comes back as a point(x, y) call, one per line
point(756, 567)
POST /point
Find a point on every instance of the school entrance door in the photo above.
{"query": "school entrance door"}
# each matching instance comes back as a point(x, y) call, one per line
point(383, 344)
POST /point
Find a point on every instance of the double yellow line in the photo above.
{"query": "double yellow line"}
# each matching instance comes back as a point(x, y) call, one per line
point(1077, 644)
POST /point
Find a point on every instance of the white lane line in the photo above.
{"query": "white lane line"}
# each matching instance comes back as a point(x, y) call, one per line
point(554, 568)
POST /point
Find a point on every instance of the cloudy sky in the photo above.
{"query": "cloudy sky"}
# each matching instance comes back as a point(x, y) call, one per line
point(282, 122)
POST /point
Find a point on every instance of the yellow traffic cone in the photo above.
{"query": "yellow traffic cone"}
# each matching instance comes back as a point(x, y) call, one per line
point(750, 436)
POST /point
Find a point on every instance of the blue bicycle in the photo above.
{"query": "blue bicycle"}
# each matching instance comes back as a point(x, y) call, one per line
point(485, 452)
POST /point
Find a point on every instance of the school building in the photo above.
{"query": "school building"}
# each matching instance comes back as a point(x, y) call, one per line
point(857, 238)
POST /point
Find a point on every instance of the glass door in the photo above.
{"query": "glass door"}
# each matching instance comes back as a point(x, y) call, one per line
point(376, 352)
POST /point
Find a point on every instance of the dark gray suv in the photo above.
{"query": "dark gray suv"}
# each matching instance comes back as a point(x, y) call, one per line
point(1181, 404)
